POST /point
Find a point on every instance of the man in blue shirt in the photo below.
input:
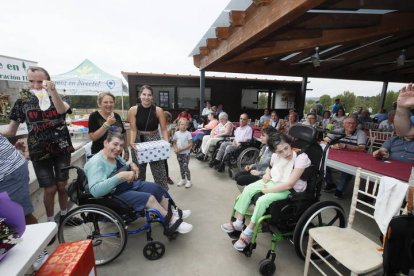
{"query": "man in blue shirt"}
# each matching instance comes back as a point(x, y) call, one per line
point(336, 106)
point(397, 148)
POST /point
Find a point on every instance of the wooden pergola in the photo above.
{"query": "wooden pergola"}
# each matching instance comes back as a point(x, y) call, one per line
point(342, 39)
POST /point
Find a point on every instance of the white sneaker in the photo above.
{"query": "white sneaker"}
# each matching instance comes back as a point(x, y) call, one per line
point(186, 213)
point(184, 228)
point(40, 260)
point(188, 184)
point(181, 183)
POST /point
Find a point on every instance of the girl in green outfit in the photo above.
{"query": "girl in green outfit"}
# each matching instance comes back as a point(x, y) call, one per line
point(286, 168)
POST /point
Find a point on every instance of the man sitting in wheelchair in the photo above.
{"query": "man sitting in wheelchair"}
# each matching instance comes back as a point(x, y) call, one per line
point(106, 174)
point(284, 173)
point(242, 134)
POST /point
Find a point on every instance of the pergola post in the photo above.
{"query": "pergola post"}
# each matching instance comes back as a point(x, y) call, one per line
point(202, 89)
point(383, 93)
point(302, 96)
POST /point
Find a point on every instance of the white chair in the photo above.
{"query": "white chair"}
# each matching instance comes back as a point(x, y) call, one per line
point(377, 138)
point(347, 246)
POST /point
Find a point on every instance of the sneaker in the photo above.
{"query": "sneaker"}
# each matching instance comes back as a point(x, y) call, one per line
point(170, 181)
point(41, 259)
point(242, 242)
point(186, 213)
point(184, 228)
point(230, 227)
point(73, 221)
point(188, 184)
point(181, 183)
point(338, 194)
point(329, 188)
point(200, 157)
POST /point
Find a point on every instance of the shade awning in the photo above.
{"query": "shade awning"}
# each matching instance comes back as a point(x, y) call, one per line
point(348, 39)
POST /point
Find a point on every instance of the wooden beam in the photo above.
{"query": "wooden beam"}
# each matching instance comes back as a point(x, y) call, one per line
point(204, 51)
point(391, 24)
point(400, 5)
point(222, 33)
point(294, 34)
point(340, 21)
point(212, 43)
point(237, 18)
point(261, 22)
point(310, 71)
point(260, 3)
point(196, 60)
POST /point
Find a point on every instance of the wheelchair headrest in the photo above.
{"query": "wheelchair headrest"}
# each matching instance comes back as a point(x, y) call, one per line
point(304, 133)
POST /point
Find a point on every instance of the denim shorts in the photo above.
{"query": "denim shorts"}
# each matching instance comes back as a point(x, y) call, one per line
point(48, 171)
point(16, 185)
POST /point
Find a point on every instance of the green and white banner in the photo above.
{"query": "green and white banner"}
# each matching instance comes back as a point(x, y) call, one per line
point(14, 69)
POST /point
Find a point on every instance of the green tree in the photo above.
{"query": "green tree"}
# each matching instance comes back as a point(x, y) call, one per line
point(347, 100)
point(325, 101)
point(308, 105)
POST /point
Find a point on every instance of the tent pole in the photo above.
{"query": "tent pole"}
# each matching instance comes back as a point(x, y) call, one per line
point(122, 102)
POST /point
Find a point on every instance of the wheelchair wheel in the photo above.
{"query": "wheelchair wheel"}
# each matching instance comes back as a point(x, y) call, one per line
point(153, 250)
point(267, 267)
point(246, 157)
point(324, 213)
point(103, 226)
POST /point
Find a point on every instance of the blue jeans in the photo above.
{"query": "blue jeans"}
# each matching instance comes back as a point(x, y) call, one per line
point(343, 180)
point(138, 192)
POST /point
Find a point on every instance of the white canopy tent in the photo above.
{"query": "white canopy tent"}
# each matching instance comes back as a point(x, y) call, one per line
point(88, 79)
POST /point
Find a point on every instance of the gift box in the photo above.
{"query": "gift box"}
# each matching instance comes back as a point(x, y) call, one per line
point(152, 151)
point(72, 258)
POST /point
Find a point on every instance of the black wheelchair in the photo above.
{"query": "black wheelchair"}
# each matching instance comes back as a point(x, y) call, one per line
point(104, 220)
point(291, 219)
point(245, 154)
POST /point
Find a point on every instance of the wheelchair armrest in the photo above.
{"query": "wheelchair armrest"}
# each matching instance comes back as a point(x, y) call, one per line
point(245, 143)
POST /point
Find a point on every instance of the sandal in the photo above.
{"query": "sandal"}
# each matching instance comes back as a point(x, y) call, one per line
point(230, 228)
point(242, 242)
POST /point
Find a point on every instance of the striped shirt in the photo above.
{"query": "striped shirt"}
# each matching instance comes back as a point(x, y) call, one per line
point(10, 158)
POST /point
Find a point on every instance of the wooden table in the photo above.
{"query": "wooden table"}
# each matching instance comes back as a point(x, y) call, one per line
point(349, 161)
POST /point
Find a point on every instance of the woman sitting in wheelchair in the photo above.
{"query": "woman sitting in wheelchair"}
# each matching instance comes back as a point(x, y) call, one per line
point(284, 173)
point(257, 170)
point(105, 175)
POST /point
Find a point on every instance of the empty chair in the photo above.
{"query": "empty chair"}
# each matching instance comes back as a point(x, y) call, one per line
point(347, 246)
point(377, 138)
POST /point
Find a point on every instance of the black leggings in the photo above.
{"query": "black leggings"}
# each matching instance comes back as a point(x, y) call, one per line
point(244, 178)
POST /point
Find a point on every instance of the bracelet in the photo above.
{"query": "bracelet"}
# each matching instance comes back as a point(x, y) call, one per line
point(106, 125)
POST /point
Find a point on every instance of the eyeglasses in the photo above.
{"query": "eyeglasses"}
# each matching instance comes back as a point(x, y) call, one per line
point(243, 119)
point(34, 81)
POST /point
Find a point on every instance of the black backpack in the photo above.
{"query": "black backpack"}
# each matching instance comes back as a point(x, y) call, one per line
point(398, 256)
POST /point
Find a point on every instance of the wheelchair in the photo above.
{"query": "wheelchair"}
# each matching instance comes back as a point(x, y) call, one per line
point(291, 219)
point(245, 154)
point(104, 220)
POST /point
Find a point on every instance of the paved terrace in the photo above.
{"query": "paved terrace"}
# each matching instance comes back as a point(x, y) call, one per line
point(207, 250)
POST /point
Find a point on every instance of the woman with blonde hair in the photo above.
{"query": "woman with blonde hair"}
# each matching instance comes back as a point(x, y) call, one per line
point(104, 120)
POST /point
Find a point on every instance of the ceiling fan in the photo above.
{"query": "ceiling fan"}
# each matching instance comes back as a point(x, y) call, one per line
point(400, 61)
point(315, 59)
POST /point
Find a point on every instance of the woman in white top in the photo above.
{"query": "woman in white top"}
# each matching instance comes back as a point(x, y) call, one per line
point(207, 110)
point(338, 117)
point(284, 173)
